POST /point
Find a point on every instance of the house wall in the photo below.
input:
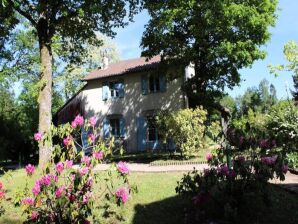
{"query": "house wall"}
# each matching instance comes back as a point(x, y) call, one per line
point(133, 104)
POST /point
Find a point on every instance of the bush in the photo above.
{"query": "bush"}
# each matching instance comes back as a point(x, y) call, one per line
point(293, 160)
point(185, 127)
point(283, 124)
point(64, 194)
point(223, 190)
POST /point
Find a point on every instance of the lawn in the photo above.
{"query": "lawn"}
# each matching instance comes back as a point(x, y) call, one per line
point(157, 202)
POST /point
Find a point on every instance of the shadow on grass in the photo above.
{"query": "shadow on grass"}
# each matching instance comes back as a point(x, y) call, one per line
point(168, 211)
point(283, 208)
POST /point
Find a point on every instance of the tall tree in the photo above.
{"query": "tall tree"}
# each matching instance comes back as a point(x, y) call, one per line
point(74, 23)
point(219, 37)
point(291, 55)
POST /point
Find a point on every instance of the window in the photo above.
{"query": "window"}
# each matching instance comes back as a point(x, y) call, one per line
point(112, 90)
point(152, 133)
point(115, 127)
point(154, 84)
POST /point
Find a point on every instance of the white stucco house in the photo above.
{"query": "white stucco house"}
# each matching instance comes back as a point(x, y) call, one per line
point(124, 96)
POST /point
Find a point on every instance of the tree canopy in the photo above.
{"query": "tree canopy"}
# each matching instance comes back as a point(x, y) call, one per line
point(70, 24)
point(219, 37)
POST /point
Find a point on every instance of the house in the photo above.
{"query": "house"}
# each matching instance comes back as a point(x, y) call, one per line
point(124, 97)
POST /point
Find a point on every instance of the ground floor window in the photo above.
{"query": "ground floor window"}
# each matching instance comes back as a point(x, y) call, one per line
point(115, 127)
point(152, 131)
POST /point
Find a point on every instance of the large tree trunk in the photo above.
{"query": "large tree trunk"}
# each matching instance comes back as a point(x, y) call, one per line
point(45, 99)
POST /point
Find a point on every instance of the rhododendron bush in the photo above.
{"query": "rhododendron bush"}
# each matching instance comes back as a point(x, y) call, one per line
point(224, 189)
point(65, 192)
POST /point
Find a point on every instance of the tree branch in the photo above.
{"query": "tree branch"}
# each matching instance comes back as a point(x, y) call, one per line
point(23, 13)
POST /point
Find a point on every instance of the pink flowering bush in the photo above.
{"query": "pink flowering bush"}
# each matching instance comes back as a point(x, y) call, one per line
point(65, 193)
point(225, 188)
point(2, 197)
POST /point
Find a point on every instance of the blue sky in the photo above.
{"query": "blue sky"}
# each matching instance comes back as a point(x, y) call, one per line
point(286, 28)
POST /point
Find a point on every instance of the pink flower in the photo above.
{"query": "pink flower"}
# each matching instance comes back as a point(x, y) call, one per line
point(86, 160)
point(87, 222)
point(28, 201)
point(30, 169)
point(224, 170)
point(91, 137)
point(1, 185)
point(59, 167)
point(98, 155)
point(122, 167)
point(59, 192)
point(89, 182)
point(209, 157)
point(92, 121)
point(285, 168)
point(34, 215)
point(206, 172)
point(232, 174)
point(122, 194)
point(269, 160)
point(265, 144)
point(36, 189)
point(87, 197)
point(37, 136)
point(73, 124)
point(2, 194)
point(47, 179)
point(79, 120)
point(68, 163)
point(83, 171)
point(67, 141)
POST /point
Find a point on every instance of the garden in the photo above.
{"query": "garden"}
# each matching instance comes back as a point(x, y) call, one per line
point(240, 149)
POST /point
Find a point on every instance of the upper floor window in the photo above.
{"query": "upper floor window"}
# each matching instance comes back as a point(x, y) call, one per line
point(114, 89)
point(153, 83)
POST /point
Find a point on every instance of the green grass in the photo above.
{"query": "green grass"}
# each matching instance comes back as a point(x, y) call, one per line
point(157, 202)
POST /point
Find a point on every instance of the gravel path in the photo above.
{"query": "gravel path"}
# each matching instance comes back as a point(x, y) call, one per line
point(140, 167)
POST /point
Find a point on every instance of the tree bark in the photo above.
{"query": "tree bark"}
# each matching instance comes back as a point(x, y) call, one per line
point(45, 94)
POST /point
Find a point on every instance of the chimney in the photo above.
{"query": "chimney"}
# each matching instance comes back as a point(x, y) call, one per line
point(105, 59)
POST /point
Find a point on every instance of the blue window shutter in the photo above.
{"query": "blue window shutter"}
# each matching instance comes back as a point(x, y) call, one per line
point(105, 91)
point(121, 88)
point(106, 128)
point(84, 138)
point(122, 127)
point(162, 83)
point(141, 130)
point(144, 84)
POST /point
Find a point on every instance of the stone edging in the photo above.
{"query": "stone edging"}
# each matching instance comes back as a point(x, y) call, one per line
point(176, 163)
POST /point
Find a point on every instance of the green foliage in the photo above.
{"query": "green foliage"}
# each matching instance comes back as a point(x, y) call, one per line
point(283, 124)
point(219, 37)
point(293, 160)
point(257, 123)
point(291, 55)
point(186, 127)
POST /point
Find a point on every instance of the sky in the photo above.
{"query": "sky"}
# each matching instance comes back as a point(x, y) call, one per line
point(286, 29)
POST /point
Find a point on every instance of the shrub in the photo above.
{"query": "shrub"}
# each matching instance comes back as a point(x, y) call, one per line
point(223, 190)
point(64, 194)
point(185, 127)
point(283, 124)
point(293, 160)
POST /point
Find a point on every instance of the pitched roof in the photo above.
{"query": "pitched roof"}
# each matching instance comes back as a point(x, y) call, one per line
point(124, 67)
